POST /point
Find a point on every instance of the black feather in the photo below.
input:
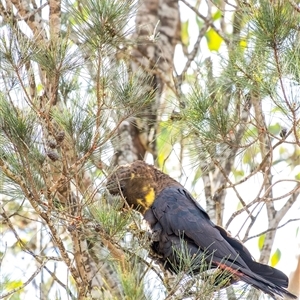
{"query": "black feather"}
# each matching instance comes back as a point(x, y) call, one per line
point(176, 216)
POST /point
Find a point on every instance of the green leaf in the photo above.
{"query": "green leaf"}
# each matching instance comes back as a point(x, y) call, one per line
point(297, 177)
point(282, 150)
point(238, 174)
point(185, 33)
point(247, 158)
point(199, 22)
point(165, 141)
point(275, 258)
point(261, 241)
point(239, 206)
point(217, 15)
point(274, 129)
point(297, 231)
point(214, 41)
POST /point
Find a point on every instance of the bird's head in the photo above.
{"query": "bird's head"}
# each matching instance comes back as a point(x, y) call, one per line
point(136, 183)
point(139, 183)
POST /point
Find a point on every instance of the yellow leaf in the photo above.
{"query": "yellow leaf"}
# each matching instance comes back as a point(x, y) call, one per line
point(214, 41)
point(238, 174)
point(243, 44)
point(13, 284)
point(275, 258)
point(185, 33)
point(261, 241)
point(39, 87)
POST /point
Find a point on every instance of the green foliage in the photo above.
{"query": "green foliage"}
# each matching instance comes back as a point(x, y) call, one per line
point(291, 60)
point(126, 92)
point(197, 176)
point(132, 279)
point(19, 144)
point(187, 263)
point(18, 126)
point(206, 114)
point(100, 23)
point(273, 23)
point(199, 22)
point(63, 97)
point(78, 122)
point(58, 58)
point(109, 216)
point(15, 52)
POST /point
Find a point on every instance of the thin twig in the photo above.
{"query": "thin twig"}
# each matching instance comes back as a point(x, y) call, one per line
point(271, 229)
point(38, 258)
point(32, 277)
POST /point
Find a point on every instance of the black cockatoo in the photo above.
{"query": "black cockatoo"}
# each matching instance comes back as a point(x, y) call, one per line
point(174, 216)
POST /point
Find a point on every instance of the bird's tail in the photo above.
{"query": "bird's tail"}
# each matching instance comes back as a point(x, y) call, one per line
point(263, 277)
point(267, 286)
point(271, 274)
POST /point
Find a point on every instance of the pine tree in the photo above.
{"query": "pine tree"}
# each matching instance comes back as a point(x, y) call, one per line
point(89, 85)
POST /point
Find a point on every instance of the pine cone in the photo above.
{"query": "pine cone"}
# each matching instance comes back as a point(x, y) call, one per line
point(283, 132)
point(52, 143)
point(60, 136)
point(52, 155)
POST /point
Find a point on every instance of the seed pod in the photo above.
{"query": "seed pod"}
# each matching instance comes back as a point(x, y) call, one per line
point(60, 136)
point(97, 228)
point(71, 227)
point(52, 155)
point(52, 143)
point(283, 132)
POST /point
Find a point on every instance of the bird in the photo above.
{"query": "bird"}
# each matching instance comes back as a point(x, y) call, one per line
point(179, 224)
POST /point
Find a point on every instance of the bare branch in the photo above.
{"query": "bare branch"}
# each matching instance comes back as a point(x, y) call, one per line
point(32, 277)
point(271, 229)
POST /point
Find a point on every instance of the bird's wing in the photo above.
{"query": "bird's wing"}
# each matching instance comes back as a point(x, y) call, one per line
point(268, 272)
point(178, 213)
